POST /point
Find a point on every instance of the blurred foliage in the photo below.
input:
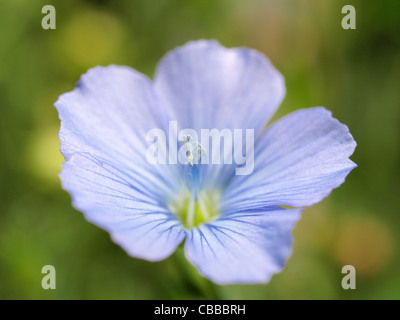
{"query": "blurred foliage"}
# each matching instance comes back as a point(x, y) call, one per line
point(354, 73)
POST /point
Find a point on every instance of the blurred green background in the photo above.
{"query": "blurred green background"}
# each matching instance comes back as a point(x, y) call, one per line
point(354, 73)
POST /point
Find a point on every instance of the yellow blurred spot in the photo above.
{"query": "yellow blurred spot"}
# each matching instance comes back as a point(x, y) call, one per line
point(365, 243)
point(91, 38)
point(44, 156)
point(316, 229)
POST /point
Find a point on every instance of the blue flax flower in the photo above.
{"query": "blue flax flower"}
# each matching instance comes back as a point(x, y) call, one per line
point(235, 227)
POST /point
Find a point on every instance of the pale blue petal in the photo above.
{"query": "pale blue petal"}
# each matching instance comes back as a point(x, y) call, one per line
point(108, 116)
point(244, 247)
point(104, 123)
point(205, 85)
point(110, 199)
point(298, 161)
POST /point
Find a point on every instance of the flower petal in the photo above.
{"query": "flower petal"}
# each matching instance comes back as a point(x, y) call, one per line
point(245, 247)
point(298, 161)
point(205, 86)
point(108, 115)
point(110, 199)
point(104, 123)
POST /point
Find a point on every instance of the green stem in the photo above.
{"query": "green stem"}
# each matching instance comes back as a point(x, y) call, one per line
point(195, 281)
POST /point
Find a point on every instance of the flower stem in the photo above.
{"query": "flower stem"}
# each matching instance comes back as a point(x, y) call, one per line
point(194, 280)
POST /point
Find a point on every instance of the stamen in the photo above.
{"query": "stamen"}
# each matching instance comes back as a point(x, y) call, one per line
point(191, 209)
point(193, 181)
point(203, 207)
point(194, 205)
